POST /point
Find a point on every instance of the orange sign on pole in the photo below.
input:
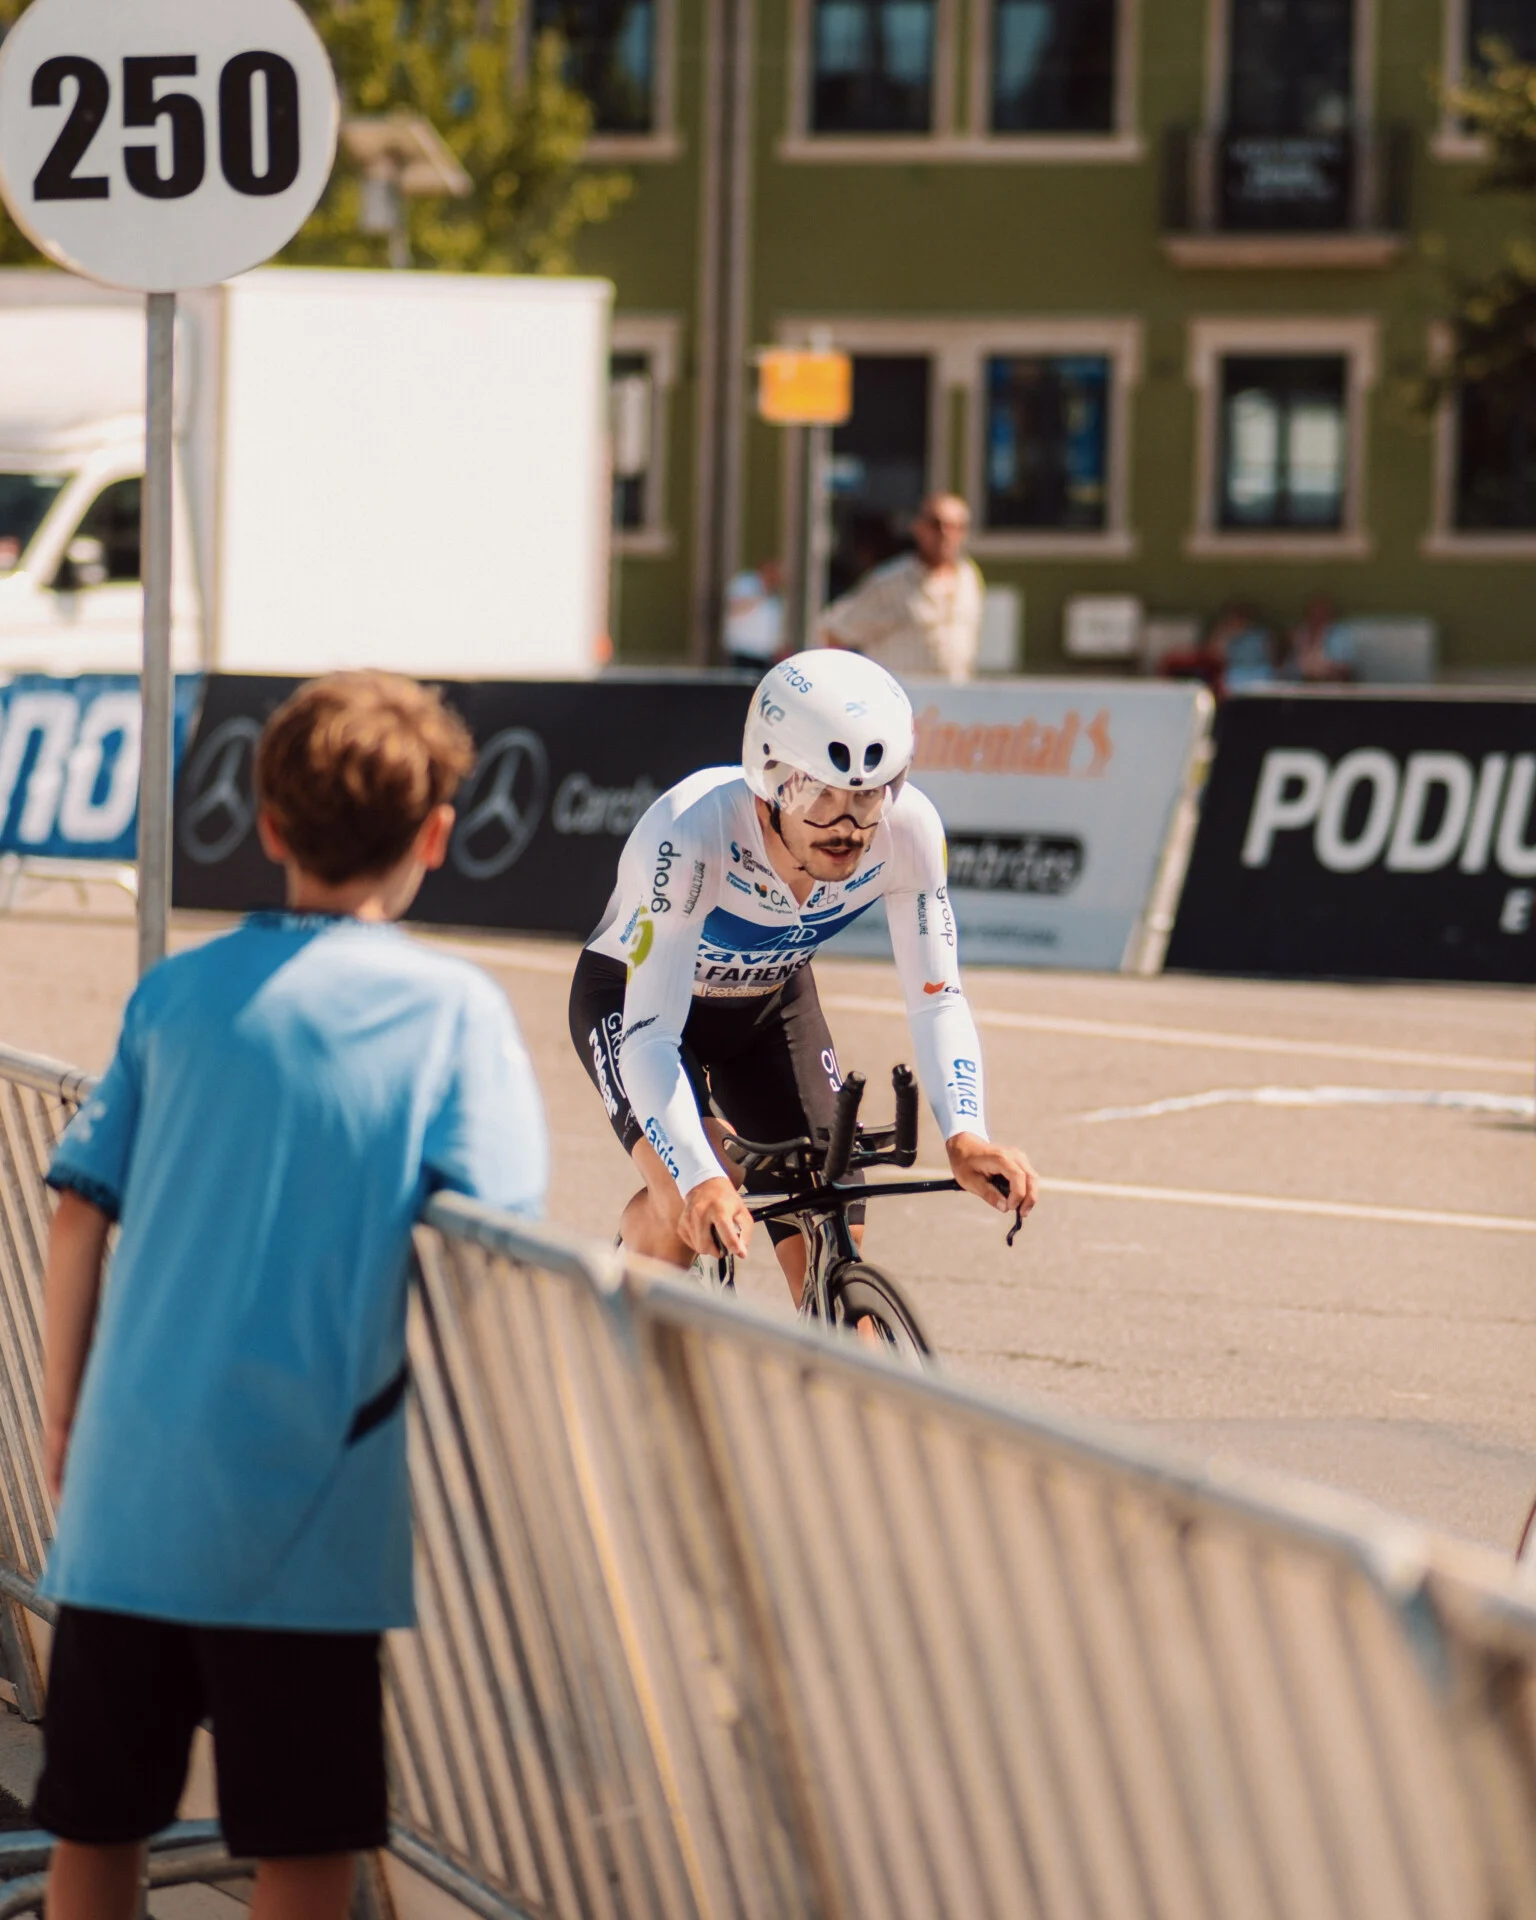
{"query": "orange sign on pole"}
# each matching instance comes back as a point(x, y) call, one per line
point(803, 387)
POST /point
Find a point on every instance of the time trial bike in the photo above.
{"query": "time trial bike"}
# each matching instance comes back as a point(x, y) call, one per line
point(842, 1289)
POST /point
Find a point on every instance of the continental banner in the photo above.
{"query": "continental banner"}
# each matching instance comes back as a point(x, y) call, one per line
point(1359, 836)
point(1057, 797)
point(565, 770)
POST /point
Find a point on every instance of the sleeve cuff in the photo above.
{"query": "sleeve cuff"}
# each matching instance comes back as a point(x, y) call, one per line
point(95, 1192)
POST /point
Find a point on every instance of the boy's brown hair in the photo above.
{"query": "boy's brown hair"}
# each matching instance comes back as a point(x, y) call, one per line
point(349, 767)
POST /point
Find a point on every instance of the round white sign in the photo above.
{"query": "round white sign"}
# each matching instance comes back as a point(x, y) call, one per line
point(162, 144)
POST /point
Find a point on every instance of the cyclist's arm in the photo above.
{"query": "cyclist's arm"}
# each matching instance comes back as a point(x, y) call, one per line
point(944, 1039)
point(662, 942)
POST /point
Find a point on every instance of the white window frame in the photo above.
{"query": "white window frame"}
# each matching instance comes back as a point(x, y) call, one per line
point(659, 337)
point(1122, 142)
point(1218, 40)
point(1354, 339)
point(958, 350)
point(664, 141)
point(960, 132)
point(1451, 140)
point(1119, 342)
point(1445, 540)
point(800, 143)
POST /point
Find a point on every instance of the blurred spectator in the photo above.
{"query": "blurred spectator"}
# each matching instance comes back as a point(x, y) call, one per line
point(1236, 651)
point(1320, 648)
point(920, 614)
point(754, 617)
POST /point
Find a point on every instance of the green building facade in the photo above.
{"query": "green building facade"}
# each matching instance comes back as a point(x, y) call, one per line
point(1149, 282)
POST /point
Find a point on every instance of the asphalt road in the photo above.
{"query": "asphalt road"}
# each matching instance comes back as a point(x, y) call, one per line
point(1310, 1271)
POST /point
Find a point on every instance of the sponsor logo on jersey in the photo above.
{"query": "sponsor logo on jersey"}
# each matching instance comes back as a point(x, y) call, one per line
point(644, 939)
point(965, 1084)
point(939, 986)
point(661, 879)
point(745, 857)
point(735, 880)
point(922, 914)
point(657, 1135)
point(946, 916)
point(696, 887)
point(776, 898)
point(636, 1026)
point(863, 879)
point(605, 1042)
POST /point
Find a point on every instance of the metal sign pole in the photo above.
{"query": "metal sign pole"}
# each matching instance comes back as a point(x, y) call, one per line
point(158, 689)
point(817, 536)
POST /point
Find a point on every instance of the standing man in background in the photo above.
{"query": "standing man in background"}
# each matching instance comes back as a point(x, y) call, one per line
point(920, 614)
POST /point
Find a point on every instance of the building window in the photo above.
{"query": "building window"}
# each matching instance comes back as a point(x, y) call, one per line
point(1047, 432)
point(1513, 22)
point(610, 57)
point(642, 372)
point(1284, 443)
point(1053, 66)
point(880, 463)
point(1495, 463)
point(1280, 454)
point(872, 66)
point(632, 410)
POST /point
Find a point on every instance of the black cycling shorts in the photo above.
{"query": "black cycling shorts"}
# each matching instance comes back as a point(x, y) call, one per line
point(298, 1733)
point(763, 1063)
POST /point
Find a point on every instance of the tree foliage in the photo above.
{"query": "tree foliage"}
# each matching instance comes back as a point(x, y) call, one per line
point(1492, 328)
point(513, 124)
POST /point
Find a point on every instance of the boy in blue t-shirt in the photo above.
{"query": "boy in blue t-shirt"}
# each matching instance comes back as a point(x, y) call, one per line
point(223, 1420)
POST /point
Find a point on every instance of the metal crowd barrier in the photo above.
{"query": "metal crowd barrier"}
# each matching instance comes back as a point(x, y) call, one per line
point(719, 1618)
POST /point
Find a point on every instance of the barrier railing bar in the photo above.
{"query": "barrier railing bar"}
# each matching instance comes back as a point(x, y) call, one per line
point(1393, 1553)
point(453, 1880)
point(45, 1075)
point(778, 1751)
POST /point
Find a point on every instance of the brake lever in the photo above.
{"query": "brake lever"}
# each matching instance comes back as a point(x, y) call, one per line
point(1018, 1217)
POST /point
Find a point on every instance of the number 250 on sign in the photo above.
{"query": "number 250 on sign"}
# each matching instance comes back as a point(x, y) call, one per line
point(162, 144)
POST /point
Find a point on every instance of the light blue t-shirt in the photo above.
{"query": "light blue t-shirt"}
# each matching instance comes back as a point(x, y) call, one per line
point(281, 1103)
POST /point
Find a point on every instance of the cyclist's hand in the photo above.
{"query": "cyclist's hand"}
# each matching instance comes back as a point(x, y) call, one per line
point(975, 1162)
point(715, 1207)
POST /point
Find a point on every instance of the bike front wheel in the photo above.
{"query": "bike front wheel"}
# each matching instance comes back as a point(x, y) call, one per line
point(866, 1302)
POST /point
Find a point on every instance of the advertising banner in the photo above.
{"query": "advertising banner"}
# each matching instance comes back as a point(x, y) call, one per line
point(1057, 797)
point(69, 764)
point(1366, 836)
point(566, 768)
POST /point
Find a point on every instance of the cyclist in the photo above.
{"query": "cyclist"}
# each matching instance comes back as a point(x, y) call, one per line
point(693, 1007)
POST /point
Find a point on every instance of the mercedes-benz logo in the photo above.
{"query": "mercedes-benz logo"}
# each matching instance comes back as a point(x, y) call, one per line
point(501, 804)
point(217, 793)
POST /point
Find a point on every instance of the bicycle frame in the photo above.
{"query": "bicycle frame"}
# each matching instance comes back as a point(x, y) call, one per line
point(819, 1196)
point(822, 1217)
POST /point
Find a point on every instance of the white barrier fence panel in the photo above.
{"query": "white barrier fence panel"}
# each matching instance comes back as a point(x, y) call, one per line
point(722, 1618)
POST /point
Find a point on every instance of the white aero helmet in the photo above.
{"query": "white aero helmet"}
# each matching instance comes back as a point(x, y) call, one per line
point(823, 719)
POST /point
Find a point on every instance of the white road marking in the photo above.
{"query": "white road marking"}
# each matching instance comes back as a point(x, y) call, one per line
point(1521, 1106)
point(1275, 1203)
point(1192, 1037)
point(1265, 1203)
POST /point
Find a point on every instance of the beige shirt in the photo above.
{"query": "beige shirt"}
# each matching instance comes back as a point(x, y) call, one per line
point(910, 620)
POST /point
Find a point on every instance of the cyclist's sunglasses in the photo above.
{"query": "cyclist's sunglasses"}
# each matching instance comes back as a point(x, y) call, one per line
point(820, 805)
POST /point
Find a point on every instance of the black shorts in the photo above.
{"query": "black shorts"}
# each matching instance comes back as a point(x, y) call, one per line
point(298, 1733)
point(763, 1063)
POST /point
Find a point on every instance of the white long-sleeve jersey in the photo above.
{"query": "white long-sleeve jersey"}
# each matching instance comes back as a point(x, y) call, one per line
point(699, 910)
